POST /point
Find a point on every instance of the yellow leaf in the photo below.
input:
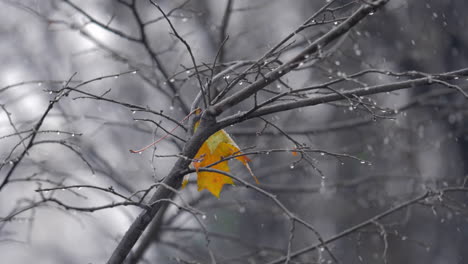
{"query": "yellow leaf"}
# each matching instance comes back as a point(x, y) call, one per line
point(218, 146)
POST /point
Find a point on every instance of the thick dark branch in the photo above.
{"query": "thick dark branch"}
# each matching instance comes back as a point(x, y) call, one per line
point(275, 49)
point(377, 89)
point(313, 48)
point(173, 180)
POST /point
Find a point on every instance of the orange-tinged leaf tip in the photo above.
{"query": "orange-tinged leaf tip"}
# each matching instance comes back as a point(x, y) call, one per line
point(243, 159)
point(251, 173)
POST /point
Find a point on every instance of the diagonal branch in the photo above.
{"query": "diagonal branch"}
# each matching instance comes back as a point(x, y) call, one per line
point(429, 80)
point(371, 221)
point(187, 46)
point(293, 63)
point(34, 133)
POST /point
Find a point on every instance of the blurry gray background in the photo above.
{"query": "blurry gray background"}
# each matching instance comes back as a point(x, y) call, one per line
point(424, 147)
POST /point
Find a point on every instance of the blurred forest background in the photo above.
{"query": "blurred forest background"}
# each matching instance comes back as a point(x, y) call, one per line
point(368, 158)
